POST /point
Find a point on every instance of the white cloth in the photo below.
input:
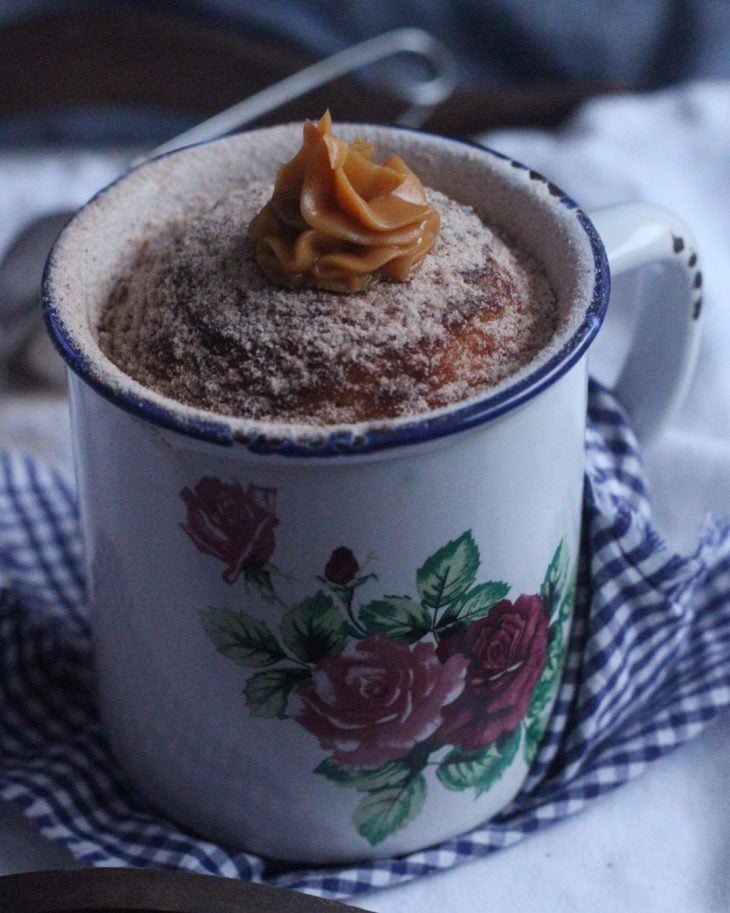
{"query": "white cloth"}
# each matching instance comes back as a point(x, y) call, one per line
point(660, 843)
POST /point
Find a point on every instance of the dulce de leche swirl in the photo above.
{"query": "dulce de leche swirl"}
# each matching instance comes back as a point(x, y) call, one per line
point(338, 221)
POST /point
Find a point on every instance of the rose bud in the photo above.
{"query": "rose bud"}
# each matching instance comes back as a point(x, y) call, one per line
point(341, 567)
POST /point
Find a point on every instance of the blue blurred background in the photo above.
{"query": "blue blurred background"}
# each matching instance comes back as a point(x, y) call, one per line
point(105, 72)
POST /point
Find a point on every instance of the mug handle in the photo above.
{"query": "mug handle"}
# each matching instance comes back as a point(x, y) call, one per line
point(665, 336)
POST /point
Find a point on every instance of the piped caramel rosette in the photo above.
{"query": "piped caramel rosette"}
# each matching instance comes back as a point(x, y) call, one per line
point(339, 221)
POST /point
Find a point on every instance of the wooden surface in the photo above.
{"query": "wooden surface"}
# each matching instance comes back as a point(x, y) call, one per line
point(150, 891)
point(117, 55)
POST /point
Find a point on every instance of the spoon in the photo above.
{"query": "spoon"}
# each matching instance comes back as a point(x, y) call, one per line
point(22, 265)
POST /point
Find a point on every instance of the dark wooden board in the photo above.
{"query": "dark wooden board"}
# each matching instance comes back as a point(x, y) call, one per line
point(95, 55)
point(150, 891)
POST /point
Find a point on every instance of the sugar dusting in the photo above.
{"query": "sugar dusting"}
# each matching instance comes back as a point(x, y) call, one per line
point(194, 319)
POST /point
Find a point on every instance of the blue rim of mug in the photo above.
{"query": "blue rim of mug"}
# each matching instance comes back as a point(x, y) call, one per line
point(362, 438)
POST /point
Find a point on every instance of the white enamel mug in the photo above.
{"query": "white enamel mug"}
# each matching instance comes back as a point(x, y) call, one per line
point(329, 644)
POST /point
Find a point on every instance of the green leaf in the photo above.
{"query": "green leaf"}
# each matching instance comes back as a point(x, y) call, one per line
point(260, 577)
point(449, 572)
point(550, 678)
point(474, 604)
point(267, 692)
point(384, 811)
point(534, 731)
point(241, 637)
point(479, 769)
point(313, 628)
point(352, 632)
point(558, 595)
point(556, 578)
point(393, 773)
point(565, 610)
point(542, 693)
point(400, 617)
point(557, 632)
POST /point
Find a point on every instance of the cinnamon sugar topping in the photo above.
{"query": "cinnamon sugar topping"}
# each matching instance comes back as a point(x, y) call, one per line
point(339, 221)
point(196, 319)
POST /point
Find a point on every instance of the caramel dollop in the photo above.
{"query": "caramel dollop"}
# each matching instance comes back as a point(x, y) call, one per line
point(338, 221)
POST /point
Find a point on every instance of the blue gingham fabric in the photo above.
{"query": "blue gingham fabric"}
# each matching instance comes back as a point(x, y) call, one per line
point(648, 667)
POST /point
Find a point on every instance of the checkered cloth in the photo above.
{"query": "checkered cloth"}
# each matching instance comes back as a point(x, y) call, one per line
point(648, 667)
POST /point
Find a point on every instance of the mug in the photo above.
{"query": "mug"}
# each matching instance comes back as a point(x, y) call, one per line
point(327, 644)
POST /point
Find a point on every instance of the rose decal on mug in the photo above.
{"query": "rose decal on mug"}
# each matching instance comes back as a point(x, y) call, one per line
point(506, 651)
point(342, 566)
point(378, 700)
point(442, 687)
point(234, 525)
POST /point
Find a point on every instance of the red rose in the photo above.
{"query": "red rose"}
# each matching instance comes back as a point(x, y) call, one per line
point(373, 703)
point(341, 567)
point(507, 651)
point(236, 526)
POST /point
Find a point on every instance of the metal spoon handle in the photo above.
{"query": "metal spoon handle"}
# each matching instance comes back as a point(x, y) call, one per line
point(422, 95)
point(22, 264)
